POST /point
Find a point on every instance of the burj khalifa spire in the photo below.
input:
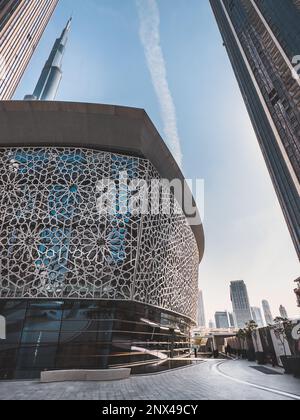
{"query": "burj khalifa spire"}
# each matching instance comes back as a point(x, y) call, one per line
point(49, 81)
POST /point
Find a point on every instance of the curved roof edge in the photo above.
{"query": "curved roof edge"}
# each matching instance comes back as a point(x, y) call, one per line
point(104, 127)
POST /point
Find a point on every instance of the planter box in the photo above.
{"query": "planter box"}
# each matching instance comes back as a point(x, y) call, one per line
point(260, 358)
point(85, 375)
point(291, 365)
point(251, 355)
point(287, 364)
point(295, 365)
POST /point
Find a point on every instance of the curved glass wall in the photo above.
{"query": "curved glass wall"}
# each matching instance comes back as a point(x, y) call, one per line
point(48, 335)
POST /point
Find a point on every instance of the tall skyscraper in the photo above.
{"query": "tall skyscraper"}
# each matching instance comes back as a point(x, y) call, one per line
point(283, 312)
point(240, 303)
point(231, 320)
point(267, 312)
point(222, 319)
point(49, 81)
point(257, 316)
point(22, 24)
point(201, 310)
point(262, 38)
point(211, 325)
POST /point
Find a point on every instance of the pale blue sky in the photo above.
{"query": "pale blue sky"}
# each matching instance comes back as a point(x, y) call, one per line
point(246, 235)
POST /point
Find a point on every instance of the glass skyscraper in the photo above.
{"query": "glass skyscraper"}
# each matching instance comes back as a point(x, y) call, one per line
point(222, 320)
point(257, 316)
point(240, 303)
point(267, 312)
point(262, 38)
point(22, 24)
point(50, 78)
point(201, 310)
point(283, 312)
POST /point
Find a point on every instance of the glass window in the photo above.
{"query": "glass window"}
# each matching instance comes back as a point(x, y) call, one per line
point(78, 337)
point(84, 325)
point(36, 357)
point(13, 332)
point(45, 311)
point(39, 324)
point(39, 337)
point(13, 310)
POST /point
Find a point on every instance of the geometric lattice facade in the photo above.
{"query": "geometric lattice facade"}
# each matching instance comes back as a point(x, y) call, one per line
point(55, 244)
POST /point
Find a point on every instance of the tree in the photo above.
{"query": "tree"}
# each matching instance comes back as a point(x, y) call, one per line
point(282, 329)
point(250, 327)
point(241, 335)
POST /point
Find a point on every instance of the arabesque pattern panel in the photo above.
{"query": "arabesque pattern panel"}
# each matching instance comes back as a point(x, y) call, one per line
point(54, 243)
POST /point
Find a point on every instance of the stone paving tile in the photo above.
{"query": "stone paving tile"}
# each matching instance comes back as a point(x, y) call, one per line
point(202, 382)
point(240, 370)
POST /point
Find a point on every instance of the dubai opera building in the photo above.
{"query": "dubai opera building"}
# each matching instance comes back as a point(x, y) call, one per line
point(80, 289)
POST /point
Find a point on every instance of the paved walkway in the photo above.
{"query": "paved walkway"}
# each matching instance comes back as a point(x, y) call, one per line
point(212, 380)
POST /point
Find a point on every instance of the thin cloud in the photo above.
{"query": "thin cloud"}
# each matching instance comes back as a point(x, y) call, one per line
point(149, 18)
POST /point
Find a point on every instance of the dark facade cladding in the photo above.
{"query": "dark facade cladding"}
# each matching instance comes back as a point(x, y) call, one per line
point(262, 38)
point(78, 288)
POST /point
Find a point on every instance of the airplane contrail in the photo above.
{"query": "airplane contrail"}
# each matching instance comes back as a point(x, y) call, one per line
point(149, 18)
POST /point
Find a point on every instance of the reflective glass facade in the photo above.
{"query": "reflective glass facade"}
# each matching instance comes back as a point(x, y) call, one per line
point(240, 303)
point(76, 334)
point(262, 38)
point(22, 24)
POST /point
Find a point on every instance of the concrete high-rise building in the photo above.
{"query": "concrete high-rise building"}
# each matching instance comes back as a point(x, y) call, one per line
point(22, 24)
point(257, 316)
point(49, 81)
point(222, 319)
point(262, 38)
point(240, 303)
point(201, 310)
point(267, 312)
point(283, 312)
